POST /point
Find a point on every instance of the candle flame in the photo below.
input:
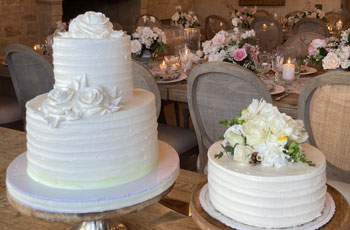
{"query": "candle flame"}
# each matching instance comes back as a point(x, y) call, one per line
point(163, 62)
point(221, 24)
point(36, 47)
point(289, 61)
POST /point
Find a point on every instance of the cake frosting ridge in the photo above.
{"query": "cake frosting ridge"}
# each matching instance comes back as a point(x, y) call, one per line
point(93, 130)
point(263, 174)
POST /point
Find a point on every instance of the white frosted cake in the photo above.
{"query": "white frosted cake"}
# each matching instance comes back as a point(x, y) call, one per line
point(261, 175)
point(93, 130)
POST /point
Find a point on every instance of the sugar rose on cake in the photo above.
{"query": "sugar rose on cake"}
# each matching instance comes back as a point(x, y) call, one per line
point(263, 135)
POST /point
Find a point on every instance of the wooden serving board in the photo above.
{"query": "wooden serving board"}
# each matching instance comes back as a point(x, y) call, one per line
point(340, 220)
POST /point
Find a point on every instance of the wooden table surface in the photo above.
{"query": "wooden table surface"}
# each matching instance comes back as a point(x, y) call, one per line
point(155, 217)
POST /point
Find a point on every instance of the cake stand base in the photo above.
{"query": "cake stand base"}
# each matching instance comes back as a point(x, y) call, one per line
point(91, 207)
point(340, 219)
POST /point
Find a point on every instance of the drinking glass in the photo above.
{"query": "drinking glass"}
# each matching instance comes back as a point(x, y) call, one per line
point(263, 65)
point(277, 64)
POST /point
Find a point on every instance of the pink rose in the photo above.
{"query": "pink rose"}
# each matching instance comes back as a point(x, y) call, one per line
point(244, 17)
point(318, 43)
point(311, 49)
point(239, 54)
point(188, 17)
point(218, 39)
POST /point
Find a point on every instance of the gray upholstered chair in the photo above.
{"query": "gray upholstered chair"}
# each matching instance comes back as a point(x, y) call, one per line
point(311, 25)
point(214, 24)
point(182, 140)
point(216, 91)
point(268, 31)
point(145, 20)
point(262, 13)
point(297, 45)
point(30, 72)
point(324, 107)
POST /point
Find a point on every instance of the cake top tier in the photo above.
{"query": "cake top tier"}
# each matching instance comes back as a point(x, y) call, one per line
point(261, 173)
point(91, 25)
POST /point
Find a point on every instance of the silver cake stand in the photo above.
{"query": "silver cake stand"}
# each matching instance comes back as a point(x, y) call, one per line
point(91, 208)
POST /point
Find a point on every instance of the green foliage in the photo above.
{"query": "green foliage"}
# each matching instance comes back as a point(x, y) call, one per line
point(293, 150)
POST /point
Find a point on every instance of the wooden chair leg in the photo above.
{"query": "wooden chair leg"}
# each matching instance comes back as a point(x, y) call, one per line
point(186, 115)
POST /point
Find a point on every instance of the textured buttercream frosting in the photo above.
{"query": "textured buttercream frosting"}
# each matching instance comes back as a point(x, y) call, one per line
point(267, 196)
point(96, 151)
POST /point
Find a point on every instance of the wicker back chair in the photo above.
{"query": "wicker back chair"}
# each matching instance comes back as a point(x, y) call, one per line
point(262, 13)
point(311, 25)
point(297, 45)
point(30, 72)
point(268, 31)
point(182, 140)
point(214, 24)
point(216, 91)
point(324, 107)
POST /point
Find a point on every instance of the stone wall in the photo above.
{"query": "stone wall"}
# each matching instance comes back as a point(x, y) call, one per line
point(163, 9)
point(27, 22)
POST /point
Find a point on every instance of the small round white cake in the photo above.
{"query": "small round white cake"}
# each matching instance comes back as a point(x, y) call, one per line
point(267, 197)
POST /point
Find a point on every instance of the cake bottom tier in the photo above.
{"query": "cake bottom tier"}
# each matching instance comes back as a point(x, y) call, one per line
point(96, 151)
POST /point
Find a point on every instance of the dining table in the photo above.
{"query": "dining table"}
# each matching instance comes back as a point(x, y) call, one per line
point(285, 100)
point(171, 213)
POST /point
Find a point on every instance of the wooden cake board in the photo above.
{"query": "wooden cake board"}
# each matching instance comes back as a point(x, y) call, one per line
point(340, 220)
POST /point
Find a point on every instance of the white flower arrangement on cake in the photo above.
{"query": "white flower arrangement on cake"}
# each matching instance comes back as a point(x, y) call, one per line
point(243, 17)
point(263, 135)
point(331, 53)
point(76, 100)
point(315, 13)
point(146, 38)
point(184, 19)
point(234, 47)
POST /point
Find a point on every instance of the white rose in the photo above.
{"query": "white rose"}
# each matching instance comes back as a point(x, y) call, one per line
point(59, 101)
point(136, 46)
point(242, 154)
point(90, 100)
point(236, 21)
point(331, 61)
point(153, 19)
point(299, 133)
point(345, 64)
point(175, 17)
point(234, 136)
point(256, 131)
point(219, 39)
point(144, 19)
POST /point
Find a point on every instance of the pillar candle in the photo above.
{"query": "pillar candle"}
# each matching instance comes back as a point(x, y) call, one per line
point(288, 71)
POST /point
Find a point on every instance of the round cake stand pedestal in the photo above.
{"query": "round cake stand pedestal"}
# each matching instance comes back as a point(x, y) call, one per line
point(91, 208)
point(340, 219)
point(89, 221)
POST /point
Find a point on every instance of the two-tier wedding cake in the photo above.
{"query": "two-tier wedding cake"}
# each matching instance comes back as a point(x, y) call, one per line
point(93, 130)
point(261, 174)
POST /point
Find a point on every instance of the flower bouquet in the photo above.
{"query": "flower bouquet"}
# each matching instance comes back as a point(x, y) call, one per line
point(315, 13)
point(243, 17)
point(331, 53)
point(146, 38)
point(263, 135)
point(184, 19)
point(235, 47)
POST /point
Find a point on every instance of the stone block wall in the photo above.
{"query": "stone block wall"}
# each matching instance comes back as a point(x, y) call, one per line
point(163, 9)
point(27, 22)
